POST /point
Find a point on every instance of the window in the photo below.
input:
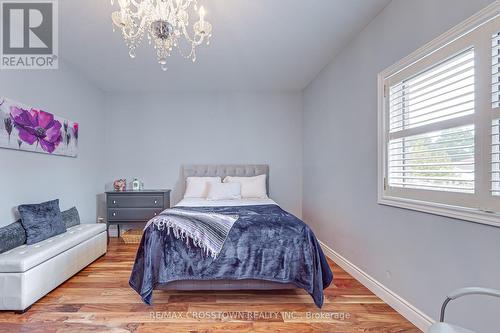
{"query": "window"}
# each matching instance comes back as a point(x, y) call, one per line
point(439, 124)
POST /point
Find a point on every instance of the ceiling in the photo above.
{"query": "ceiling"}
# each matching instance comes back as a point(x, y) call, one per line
point(257, 45)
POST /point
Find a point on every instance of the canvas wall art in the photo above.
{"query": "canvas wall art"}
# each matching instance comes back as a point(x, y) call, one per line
point(31, 129)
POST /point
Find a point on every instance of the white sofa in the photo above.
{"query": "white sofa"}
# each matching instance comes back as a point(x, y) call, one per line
point(29, 272)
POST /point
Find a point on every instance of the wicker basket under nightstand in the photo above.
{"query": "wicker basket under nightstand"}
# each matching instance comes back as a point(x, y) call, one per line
point(132, 236)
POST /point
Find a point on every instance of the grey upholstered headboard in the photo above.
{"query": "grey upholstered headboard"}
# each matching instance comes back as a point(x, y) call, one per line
point(223, 170)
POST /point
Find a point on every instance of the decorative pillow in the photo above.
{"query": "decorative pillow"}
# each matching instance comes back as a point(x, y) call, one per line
point(251, 187)
point(197, 187)
point(12, 236)
point(224, 191)
point(71, 217)
point(41, 221)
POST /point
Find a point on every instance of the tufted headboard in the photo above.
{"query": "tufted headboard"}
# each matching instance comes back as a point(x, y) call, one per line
point(223, 170)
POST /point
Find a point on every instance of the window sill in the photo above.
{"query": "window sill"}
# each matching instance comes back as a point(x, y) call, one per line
point(466, 214)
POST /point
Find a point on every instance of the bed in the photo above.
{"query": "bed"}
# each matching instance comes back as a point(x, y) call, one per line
point(267, 247)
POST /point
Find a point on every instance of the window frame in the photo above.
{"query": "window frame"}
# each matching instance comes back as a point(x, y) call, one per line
point(473, 32)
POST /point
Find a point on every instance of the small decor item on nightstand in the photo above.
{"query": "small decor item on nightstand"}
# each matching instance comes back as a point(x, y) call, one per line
point(136, 185)
point(120, 185)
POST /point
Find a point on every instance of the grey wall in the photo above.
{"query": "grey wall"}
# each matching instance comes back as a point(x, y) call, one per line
point(419, 256)
point(27, 177)
point(150, 136)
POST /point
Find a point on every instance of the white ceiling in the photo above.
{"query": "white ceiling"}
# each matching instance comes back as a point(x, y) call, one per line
point(258, 45)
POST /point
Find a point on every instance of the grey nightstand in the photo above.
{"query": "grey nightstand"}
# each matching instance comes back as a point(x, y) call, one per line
point(135, 206)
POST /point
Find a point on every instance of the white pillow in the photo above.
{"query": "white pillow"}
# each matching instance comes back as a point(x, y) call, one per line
point(251, 187)
point(197, 187)
point(224, 191)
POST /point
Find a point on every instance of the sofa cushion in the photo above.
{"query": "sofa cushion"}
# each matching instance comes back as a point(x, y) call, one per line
point(12, 236)
point(41, 221)
point(25, 257)
point(71, 217)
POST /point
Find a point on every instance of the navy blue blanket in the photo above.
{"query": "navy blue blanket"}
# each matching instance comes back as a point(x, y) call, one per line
point(266, 243)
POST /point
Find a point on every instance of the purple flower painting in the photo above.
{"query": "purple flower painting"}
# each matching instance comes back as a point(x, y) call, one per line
point(37, 126)
point(36, 130)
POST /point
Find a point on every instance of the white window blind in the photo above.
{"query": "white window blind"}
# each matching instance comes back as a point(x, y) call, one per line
point(495, 157)
point(443, 92)
point(495, 104)
point(495, 70)
point(442, 159)
point(439, 124)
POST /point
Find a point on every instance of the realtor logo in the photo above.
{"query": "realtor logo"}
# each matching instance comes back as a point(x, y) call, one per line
point(29, 34)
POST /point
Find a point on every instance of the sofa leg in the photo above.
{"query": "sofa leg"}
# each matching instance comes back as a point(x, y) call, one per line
point(22, 311)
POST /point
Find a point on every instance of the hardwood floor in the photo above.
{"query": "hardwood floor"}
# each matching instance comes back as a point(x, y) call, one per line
point(98, 299)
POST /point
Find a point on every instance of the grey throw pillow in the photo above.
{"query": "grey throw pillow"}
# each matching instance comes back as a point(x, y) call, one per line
point(41, 221)
point(12, 236)
point(71, 217)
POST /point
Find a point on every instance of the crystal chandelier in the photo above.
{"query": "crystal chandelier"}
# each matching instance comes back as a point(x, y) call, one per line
point(166, 24)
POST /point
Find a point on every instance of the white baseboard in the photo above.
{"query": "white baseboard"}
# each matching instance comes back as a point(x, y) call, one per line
point(414, 315)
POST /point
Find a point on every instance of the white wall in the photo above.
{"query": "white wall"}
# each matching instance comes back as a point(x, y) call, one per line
point(27, 177)
point(419, 256)
point(150, 136)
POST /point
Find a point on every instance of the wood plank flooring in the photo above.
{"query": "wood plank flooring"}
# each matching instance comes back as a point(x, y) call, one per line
point(98, 299)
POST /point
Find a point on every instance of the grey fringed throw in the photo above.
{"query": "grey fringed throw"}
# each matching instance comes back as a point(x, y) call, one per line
point(207, 231)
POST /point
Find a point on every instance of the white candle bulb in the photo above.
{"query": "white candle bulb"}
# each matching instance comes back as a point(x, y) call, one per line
point(202, 13)
point(123, 3)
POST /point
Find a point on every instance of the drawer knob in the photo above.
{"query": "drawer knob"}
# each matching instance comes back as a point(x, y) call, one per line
point(114, 201)
point(155, 214)
point(156, 201)
point(114, 214)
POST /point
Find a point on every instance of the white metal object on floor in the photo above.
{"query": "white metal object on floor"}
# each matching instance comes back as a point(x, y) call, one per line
point(443, 327)
point(448, 328)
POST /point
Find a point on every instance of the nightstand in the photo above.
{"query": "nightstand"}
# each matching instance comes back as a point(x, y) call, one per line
point(129, 207)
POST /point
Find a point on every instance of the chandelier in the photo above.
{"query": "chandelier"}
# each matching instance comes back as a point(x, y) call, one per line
point(166, 24)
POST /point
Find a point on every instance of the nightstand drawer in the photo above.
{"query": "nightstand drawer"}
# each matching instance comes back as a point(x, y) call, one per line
point(135, 201)
point(132, 214)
